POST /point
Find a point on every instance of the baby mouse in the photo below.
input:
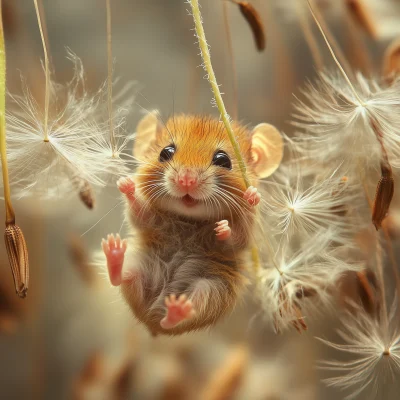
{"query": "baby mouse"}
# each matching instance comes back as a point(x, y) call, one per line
point(192, 219)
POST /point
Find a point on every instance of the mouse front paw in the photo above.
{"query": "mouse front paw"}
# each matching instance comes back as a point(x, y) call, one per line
point(114, 250)
point(252, 196)
point(222, 230)
point(178, 310)
point(126, 186)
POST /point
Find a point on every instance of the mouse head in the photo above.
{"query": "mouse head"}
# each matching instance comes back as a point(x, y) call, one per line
point(187, 165)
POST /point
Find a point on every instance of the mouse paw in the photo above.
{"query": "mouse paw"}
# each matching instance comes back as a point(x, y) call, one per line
point(223, 230)
point(178, 310)
point(114, 250)
point(126, 186)
point(252, 196)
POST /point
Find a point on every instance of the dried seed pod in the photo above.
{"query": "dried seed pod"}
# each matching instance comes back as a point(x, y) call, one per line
point(363, 16)
point(294, 310)
point(253, 18)
point(391, 61)
point(383, 197)
point(85, 191)
point(18, 258)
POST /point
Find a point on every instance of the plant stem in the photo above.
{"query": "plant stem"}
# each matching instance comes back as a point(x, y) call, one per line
point(310, 39)
point(205, 52)
point(47, 73)
point(109, 77)
point(231, 58)
point(10, 215)
point(330, 42)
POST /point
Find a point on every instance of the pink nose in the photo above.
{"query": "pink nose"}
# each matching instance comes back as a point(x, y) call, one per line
point(187, 180)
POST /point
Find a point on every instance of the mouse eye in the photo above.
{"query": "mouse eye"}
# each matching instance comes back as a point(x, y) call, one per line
point(221, 159)
point(167, 153)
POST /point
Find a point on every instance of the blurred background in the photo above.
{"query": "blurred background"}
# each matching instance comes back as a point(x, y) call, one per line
point(72, 337)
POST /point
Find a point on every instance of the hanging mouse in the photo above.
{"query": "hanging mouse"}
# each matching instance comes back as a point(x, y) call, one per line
point(192, 219)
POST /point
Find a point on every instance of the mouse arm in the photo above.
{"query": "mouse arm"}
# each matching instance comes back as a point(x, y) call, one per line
point(114, 249)
point(127, 187)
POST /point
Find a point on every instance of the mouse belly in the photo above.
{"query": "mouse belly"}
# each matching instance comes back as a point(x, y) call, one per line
point(186, 292)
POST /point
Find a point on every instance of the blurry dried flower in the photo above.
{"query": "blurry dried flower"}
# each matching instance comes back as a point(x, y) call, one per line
point(80, 259)
point(227, 379)
point(363, 16)
point(391, 61)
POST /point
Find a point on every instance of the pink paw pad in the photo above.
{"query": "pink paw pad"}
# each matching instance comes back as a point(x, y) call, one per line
point(252, 196)
point(126, 186)
point(114, 250)
point(178, 310)
point(222, 230)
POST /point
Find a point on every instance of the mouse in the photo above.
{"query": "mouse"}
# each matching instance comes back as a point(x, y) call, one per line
point(191, 217)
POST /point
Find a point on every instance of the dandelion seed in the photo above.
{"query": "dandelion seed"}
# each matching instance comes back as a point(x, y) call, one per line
point(375, 347)
point(296, 203)
point(302, 278)
point(337, 127)
point(77, 152)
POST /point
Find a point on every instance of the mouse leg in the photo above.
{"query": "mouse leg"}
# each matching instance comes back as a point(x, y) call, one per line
point(252, 196)
point(178, 310)
point(223, 230)
point(114, 250)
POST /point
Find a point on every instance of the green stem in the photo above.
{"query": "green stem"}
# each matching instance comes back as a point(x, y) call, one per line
point(10, 215)
point(205, 52)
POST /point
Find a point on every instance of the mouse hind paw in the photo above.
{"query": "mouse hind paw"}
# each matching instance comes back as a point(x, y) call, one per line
point(178, 310)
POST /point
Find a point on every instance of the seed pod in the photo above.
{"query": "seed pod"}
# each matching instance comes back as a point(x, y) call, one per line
point(18, 258)
point(85, 191)
point(254, 20)
point(360, 12)
point(383, 197)
point(86, 195)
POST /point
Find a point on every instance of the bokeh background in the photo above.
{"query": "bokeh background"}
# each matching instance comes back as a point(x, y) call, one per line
point(72, 337)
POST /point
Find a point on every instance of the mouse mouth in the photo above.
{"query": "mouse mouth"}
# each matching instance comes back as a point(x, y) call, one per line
point(189, 201)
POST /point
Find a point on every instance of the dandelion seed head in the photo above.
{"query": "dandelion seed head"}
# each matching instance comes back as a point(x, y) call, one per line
point(286, 280)
point(374, 347)
point(78, 139)
point(298, 202)
point(337, 128)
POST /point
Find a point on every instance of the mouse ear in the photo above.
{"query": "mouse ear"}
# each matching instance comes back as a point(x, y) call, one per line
point(148, 131)
point(267, 149)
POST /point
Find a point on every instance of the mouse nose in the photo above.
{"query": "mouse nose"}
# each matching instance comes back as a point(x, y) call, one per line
point(187, 180)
